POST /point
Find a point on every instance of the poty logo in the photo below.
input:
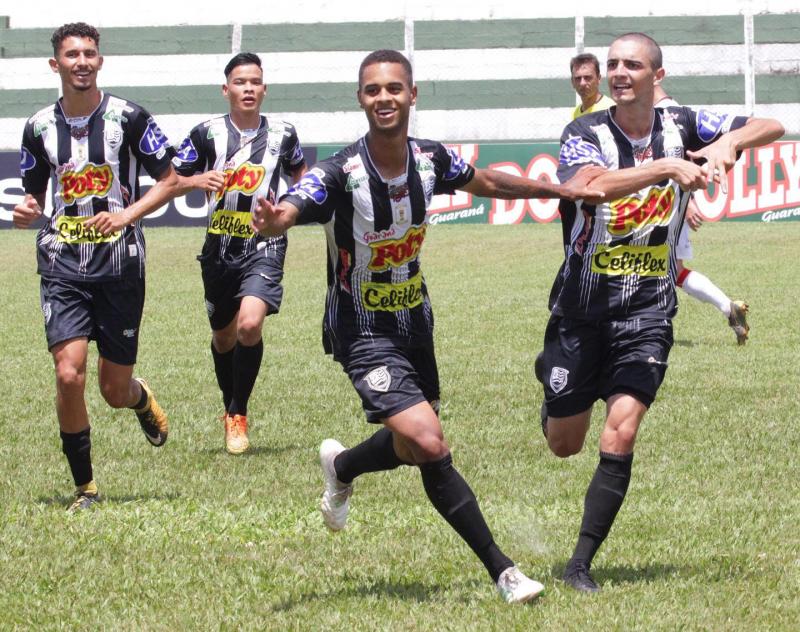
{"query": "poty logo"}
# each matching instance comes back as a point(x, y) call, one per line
point(709, 124)
point(575, 150)
point(457, 165)
point(311, 187)
point(153, 139)
point(92, 181)
point(26, 160)
point(245, 178)
point(396, 252)
point(187, 151)
point(631, 212)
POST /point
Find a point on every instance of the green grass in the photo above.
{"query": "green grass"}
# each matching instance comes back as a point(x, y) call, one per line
point(189, 538)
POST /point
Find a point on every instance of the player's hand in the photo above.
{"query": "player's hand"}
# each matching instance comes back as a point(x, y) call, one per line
point(108, 223)
point(266, 218)
point(210, 181)
point(579, 187)
point(719, 156)
point(688, 175)
point(693, 217)
point(27, 212)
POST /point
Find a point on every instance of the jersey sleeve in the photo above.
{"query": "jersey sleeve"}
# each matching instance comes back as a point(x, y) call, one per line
point(190, 158)
point(315, 194)
point(292, 156)
point(579, 147)
point(452, 171)
point(148, 143)
point(704, 127)
point(33, 164)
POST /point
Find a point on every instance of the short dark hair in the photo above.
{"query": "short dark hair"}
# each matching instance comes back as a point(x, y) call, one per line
point(656, 58)
point(584, 58)
point(73, 29)
point(242, 59)
point(387, 56)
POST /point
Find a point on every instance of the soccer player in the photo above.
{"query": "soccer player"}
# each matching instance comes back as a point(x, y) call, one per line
point(234, 158)
point(90, 252)
point(610, 331)
point(585, 72)
point(372, 198)
point(694, 283)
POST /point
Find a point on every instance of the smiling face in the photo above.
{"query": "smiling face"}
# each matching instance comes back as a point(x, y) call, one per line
point(631, 75)
point(245, 89)
point(77, 62)
point(386, 97)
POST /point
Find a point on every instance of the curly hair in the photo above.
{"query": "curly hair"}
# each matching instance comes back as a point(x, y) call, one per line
point(74, 29)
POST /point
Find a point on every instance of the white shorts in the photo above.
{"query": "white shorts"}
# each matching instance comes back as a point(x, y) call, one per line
point(683, 249)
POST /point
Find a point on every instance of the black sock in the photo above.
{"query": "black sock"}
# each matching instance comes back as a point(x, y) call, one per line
point(603, 500)
point(376, 454)
point(78, 449)
point(142, 399)
point(246, 364)
point(223, 367)
point(454, 500)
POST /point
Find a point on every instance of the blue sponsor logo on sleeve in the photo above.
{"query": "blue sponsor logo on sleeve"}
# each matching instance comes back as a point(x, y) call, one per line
point(297, 155)
point(187, 151)
point(311, 187)
point(153, 139)
point(709, 124)
point(26, 160)
point(457, 165)
point(576, 150)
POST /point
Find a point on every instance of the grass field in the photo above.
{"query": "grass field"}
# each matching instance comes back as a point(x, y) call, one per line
point(189, 538)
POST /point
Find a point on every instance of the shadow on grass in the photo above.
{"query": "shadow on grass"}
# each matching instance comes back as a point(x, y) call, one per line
point(627, 574)
point(412, 591)
point(683, 343)
point(107, 499)
point(259, 450)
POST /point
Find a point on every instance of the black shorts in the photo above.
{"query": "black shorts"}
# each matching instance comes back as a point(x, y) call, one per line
point(108, 312)
point(225, 286)
point(589, 360)
point(391, 377)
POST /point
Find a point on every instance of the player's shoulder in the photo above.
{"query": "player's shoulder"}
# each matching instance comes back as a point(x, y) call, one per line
point(125, 108)
point(42, 119)
point(586, 124)
point(279, 126)
point(210, 127)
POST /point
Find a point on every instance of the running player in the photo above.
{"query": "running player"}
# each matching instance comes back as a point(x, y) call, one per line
point(372, 198)
point(610, 332)
point(91, 250)
point(694, 283)
point(585, 72)
point(234, 158)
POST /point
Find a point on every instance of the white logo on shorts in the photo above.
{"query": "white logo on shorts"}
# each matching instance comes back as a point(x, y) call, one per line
point(129, 333)
point(261, 274)
point(133, 251)
point(210, 308)
point(48, 312)
point(379, 379)
point(558, 379)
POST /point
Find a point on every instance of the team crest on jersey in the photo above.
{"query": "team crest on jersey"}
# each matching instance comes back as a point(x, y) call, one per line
point(558, 378)
point(630, 213)
point(457, 166)
point(113, 136)
point(91, 181)
point(245, 178)
point(393, 253)
point(709, 124)
point(26, 160)
point(153, 141)
point(576, 150)
point(187, 151)
point(311, 187)
point(379, 379)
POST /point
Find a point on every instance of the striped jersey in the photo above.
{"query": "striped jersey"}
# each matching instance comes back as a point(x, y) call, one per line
point(619, 255)
point(93, 164)
point(255, 163)
point(375, 229)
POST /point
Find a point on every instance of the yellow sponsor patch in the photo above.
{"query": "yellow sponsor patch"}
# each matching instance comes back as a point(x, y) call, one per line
point(72, 231)
point(392, 297)
point(641, 260)
point(233, 223)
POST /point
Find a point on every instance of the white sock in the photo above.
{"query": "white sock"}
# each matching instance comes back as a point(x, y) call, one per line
point(699, 286)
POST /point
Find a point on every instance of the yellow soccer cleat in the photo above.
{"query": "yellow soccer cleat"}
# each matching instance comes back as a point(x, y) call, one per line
point(738, 321)
point(236, 441)
point(152, 418)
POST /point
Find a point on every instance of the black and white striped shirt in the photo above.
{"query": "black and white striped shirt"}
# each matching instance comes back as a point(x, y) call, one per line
point(375, 229)
point(255, 163)
point(619, 255)
point(94, 166)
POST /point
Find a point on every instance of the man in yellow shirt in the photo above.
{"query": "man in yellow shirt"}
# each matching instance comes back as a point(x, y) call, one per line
point(585, 71)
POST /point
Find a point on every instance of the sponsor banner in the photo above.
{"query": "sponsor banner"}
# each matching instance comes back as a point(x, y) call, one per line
point(764, 186)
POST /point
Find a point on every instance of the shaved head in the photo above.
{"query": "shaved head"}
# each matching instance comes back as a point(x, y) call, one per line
point(653, 49)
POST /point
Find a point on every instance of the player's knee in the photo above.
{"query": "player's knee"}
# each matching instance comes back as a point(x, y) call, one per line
point(248, 331)
point(116, 395)
point(428, 447)
point(223, 340)
point(564, 446)
point(69, 378)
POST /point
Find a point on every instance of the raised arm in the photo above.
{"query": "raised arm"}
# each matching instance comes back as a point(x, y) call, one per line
point(271, 220)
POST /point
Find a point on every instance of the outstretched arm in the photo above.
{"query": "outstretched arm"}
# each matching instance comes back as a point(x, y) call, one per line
point(496, 184)
point(210, 182)
point(271, 220)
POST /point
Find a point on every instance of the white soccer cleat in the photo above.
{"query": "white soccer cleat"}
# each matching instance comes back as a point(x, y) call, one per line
point(335, 502)
point(515, 587)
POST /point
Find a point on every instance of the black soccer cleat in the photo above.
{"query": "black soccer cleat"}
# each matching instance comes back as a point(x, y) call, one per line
point(576, 575)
